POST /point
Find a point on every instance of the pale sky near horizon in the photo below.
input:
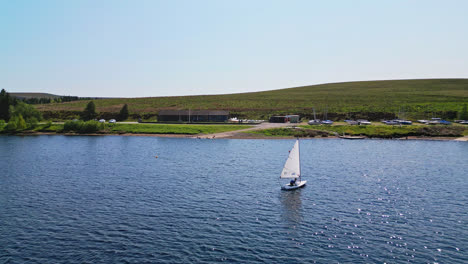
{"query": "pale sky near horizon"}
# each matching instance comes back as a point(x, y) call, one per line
point(112, 48)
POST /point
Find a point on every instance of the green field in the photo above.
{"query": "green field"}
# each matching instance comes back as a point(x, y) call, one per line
point(172, 128)
point(370, 99)
point(144, 129)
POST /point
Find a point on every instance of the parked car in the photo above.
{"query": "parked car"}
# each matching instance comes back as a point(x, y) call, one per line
point(112, 121)
point(102, 121)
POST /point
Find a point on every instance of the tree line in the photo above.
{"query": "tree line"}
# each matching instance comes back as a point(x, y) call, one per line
point(47, 100)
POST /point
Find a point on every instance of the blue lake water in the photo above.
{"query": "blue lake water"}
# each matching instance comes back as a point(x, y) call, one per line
point(74, 199)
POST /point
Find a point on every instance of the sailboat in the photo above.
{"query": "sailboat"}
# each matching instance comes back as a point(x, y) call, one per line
point(325, 117)
point(314, 121)
point(292, 169)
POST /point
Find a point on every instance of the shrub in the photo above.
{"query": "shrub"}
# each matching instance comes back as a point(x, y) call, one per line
point(16, 123)
point(83, 127)
point(21, 123)
point(91, 127)
point(72, 126)
point(31, 122)
point(11, 125)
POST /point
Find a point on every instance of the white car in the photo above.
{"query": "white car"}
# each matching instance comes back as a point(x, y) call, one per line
point(112, 121)
point(102, 121)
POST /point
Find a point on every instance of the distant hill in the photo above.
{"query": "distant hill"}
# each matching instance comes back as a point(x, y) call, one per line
point(34, 95)
point(367, 99)
point(48, 95)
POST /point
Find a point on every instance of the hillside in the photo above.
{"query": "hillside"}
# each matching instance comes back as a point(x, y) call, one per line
point(34, 95)
point(367, 99)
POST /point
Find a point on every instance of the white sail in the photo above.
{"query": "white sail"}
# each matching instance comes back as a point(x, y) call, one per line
point(292, 168)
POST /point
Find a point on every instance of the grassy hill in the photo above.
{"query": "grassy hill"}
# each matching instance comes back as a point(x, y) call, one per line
point(367, 99)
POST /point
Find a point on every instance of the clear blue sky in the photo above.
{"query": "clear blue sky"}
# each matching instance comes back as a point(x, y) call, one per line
point(160, 48)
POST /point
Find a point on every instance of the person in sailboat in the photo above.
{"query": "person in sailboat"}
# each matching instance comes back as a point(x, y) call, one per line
point(293, 182)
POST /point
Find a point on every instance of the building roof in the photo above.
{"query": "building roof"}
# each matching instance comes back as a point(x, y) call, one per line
point(193, 112)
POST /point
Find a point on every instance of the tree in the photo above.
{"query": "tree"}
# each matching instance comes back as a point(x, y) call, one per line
point(23, 116)
point(464, 113)
point(16, 123)
point(26, 111)
point(5, 102)
point(123, 115)
point(90, 111)
point(21, 123)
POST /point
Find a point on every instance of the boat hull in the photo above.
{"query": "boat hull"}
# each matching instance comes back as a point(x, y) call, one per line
point(314, 122)
point(352, 137)
point(298, 185)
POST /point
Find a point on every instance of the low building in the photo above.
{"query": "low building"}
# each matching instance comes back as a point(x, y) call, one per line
point(193, 116)
point(278, 119)
point(285, 119)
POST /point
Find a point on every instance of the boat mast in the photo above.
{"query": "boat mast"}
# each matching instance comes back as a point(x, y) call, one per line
point(299, 156)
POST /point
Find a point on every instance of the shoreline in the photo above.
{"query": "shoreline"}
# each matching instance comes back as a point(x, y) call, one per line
point(233, 136)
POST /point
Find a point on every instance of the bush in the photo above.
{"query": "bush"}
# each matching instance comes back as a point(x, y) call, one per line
point(31, 122)
point(72, 126)
point(83, 127)
point(16, 123)
point(21, 123)
point(91, 127)
point(11, 125)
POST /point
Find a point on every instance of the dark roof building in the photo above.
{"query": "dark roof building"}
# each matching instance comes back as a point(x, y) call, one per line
point(278, 119)
point(193, 116)
point(285, 119)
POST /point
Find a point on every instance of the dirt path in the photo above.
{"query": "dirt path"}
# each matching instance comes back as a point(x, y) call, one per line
point(230, 134)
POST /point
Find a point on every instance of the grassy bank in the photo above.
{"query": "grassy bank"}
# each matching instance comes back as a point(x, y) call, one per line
point(139, 129)
point(373, 131)
point(172, 128)
point(370, 99)
point(369, 131)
